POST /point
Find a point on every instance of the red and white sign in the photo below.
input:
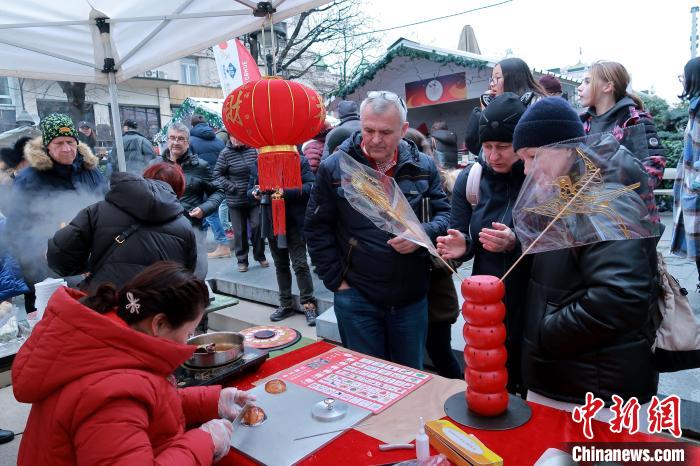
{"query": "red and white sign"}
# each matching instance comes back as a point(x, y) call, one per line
point(369, 383)
point(235, 65)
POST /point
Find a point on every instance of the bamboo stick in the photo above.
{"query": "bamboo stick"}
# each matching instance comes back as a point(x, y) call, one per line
point(557, 217)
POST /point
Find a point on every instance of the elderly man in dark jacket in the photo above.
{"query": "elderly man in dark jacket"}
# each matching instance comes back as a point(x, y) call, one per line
point(380, 282)
point(295, 201)
point(591, 309)
point(62, 178)
point(232, 172)
point(202, 194)
point(208, 147)
point(349, 123)
point(148, 217)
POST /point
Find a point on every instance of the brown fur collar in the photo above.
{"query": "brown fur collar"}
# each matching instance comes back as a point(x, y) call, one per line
point(36, 154)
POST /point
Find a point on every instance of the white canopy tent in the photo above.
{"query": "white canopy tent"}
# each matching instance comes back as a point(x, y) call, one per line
point(108, 41)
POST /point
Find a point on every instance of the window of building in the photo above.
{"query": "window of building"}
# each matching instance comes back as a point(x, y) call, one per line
point(147, 118)
point(189, 72)
point(7, 120)
point(46, 107)
point(5, 97)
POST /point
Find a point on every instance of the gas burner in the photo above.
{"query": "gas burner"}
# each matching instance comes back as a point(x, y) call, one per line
point(187, 376)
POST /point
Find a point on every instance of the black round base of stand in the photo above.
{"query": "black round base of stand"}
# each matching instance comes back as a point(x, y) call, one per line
point(517, 414)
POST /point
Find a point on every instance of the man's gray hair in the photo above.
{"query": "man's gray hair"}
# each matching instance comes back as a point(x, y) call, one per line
point(179, 128)
point(380, 101)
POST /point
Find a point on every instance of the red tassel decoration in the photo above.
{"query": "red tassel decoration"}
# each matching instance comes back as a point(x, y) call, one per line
point(279, 168)
point(268, 172)
point(279, 218)
point(291, 171)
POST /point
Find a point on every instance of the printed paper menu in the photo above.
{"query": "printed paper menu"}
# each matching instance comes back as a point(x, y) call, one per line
point(359, 380)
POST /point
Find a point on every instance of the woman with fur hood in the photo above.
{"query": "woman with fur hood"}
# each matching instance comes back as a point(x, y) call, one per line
point(62, 177)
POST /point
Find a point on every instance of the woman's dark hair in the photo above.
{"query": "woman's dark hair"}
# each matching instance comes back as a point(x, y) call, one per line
point(168, 172)
point(518, 78)
point(691, 76)
point(164, 287)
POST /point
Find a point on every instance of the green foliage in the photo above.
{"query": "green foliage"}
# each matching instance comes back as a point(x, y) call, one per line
point(658, 108)
point(670, 123)
point(677, 117)
point(366, 74)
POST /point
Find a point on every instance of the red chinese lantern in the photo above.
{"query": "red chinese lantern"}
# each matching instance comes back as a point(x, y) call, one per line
point(274, 115)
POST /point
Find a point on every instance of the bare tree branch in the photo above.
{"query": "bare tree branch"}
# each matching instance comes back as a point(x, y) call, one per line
point(327, 34)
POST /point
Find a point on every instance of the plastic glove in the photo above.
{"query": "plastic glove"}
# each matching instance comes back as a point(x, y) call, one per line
point(221, 431)
point(231, 400)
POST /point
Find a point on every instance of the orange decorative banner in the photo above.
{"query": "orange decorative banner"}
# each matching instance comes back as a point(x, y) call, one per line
point(449, 88)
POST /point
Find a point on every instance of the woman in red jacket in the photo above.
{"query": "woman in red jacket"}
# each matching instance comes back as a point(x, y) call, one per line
point(97, 370)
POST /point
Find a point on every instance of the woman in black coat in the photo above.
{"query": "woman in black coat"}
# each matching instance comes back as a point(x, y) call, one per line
point(590, 309)
point(140, 222)
point(232, 172)
point(484, 232)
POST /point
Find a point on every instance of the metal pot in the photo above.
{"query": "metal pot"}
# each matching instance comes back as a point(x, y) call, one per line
point(216, 358)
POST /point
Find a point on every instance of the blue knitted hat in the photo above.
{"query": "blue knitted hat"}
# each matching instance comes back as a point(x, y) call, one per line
point(547, 121)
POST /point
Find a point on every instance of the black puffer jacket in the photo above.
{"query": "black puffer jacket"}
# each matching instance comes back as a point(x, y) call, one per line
point(591, 310)
point(200, 190)
point(497, 195)
point(164, 233)
point(232, 172)
point(648, 149)
point(345, 245)
point(589, 324)
point(445, 145)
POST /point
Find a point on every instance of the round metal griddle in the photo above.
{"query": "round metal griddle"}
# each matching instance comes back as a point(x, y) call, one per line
point(270, 337)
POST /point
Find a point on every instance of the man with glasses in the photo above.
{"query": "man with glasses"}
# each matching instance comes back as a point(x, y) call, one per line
point(380, 282)
point(202, 195)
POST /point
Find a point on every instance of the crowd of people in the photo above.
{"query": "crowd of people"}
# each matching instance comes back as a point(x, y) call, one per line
point(134, 246)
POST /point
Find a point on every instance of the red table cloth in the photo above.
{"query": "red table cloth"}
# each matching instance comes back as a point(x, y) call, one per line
point(547, 428)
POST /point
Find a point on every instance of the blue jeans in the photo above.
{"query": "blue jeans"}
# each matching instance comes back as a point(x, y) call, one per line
point(223, 216)
point(216, 228)
point(394, 334)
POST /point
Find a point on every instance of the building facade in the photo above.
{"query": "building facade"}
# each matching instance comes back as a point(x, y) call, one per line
point(150, 98)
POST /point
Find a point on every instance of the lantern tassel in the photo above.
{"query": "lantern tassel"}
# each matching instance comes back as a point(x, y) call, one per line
point(279, 170)
point(279, 219)
point(291, 171)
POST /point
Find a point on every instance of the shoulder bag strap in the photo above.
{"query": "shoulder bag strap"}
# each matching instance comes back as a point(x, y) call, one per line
point(473, 182)
point(118, 240)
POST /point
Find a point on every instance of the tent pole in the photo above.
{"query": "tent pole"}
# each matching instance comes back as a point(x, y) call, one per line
point(111, 71)
point(116, 122)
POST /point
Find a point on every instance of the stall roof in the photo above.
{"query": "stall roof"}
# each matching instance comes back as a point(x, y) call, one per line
point(210, 109)
point(408, 48)
point(108, 41)
point(61, 40)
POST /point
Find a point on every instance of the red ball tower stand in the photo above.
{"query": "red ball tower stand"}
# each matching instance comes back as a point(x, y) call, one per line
point(488, 404)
